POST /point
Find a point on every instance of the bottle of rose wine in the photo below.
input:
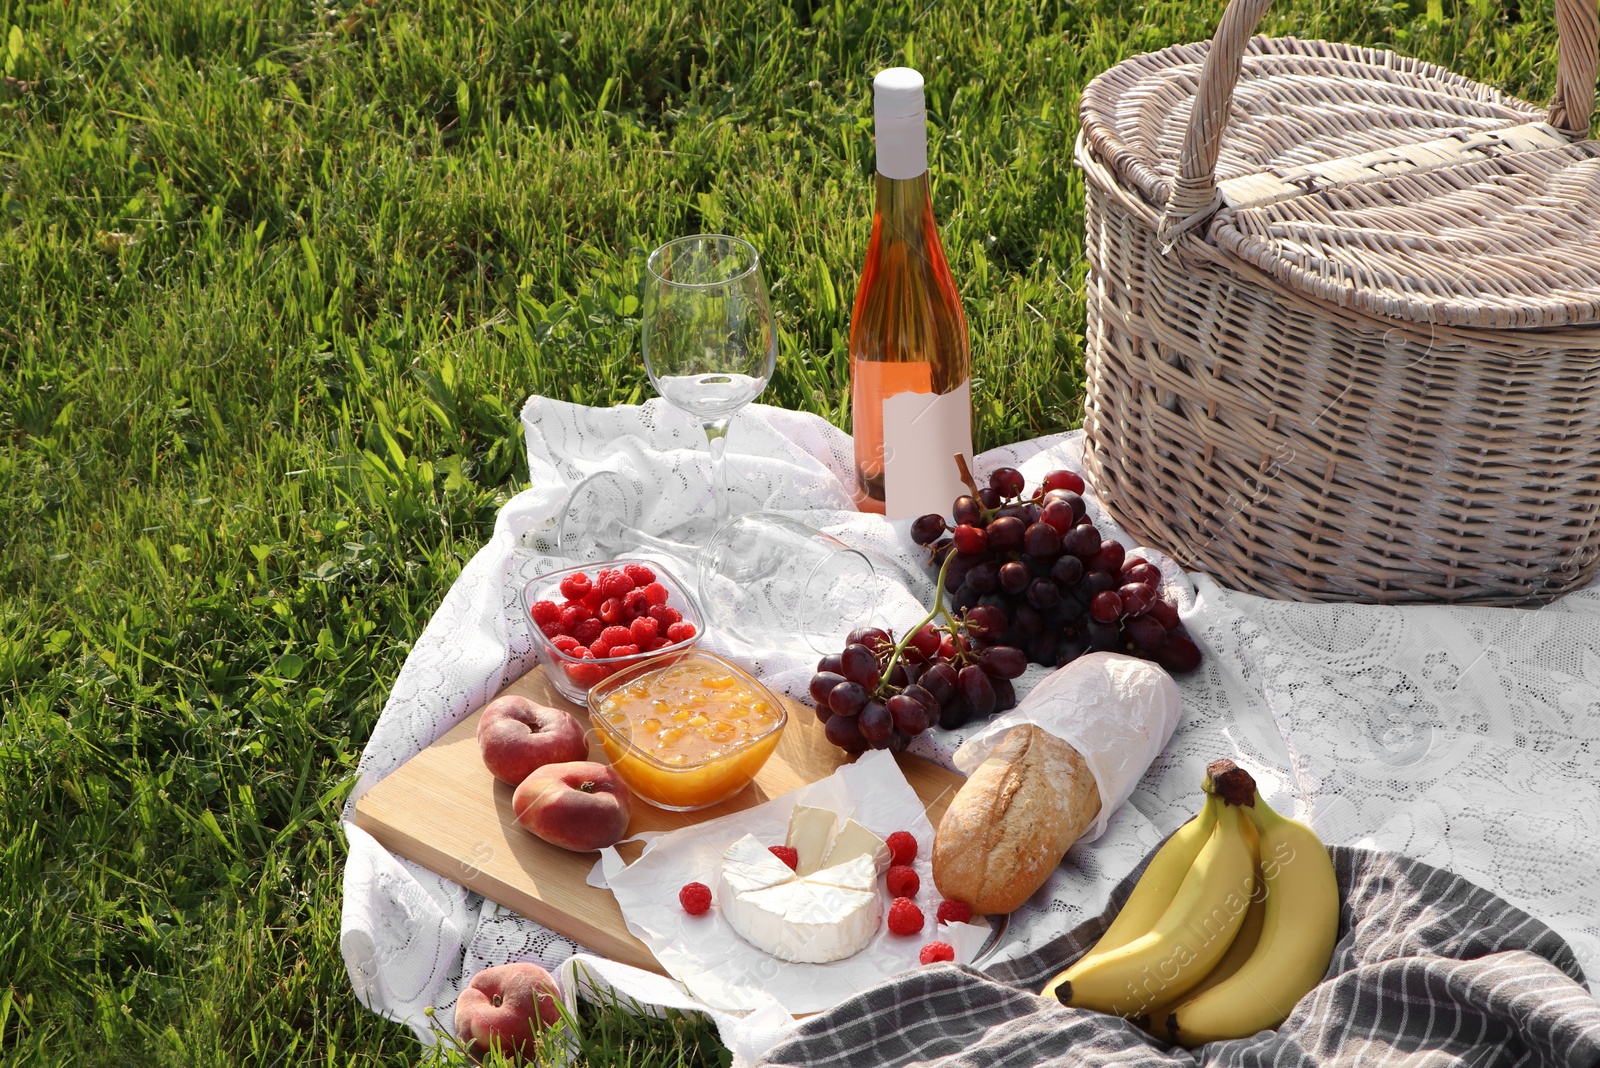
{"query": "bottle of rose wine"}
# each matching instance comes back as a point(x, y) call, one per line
point(910, 373)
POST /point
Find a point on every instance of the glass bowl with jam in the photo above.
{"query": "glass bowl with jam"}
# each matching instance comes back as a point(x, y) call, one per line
point(686, 730)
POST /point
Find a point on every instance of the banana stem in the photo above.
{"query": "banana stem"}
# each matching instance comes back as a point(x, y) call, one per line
point(1230, 782)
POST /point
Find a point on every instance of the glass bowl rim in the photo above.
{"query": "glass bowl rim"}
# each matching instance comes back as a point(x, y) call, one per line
point(673, 587)
point(640, 668)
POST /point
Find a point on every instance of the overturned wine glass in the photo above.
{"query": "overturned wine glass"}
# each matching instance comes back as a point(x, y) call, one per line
point(763, 579)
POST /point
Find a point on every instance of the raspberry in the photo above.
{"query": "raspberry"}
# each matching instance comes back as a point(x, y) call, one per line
point(680, 632)
point(664, 615)
point(633, 603)
point(902, 881)
point(696, 899)
point(586, 672)
point(567, 643)
point(575, 586)
point(593, 600)
point(545, 612)
point(644, 630)
point(551, 630)
point(611, 610)
point(600, 648)
point(936, 951)
point(650, 645)
point(904, 917)
point(786, 854)
point(571, 617)
point(587, 631)
point(638, 574)
point(902, 847)
point(614, 583)
point(625, 650)
point(655, 594)
point(615, 636)
point(954, 912)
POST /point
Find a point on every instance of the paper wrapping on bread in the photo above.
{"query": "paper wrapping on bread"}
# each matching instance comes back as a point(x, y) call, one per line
point(1117, 711)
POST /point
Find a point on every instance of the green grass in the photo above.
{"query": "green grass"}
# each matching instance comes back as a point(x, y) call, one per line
point(275, 277)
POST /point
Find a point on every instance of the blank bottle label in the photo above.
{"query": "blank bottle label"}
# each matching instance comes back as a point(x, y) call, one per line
point(871, 381)
point(922, 433)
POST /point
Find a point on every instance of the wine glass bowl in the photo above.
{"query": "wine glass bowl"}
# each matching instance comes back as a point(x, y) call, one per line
point(710, 344)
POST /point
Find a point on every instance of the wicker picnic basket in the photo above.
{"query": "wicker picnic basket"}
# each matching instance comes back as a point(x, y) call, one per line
point(1344, 317)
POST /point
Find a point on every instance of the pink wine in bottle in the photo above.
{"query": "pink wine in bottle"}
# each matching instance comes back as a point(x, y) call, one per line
point(910, 372)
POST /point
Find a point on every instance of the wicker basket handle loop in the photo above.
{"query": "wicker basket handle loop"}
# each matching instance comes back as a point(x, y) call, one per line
point(1194, 197)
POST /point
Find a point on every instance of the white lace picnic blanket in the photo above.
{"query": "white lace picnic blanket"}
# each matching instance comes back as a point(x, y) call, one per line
point(1468, 738)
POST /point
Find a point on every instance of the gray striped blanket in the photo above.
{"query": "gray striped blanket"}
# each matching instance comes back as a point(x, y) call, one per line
point(1430, 970)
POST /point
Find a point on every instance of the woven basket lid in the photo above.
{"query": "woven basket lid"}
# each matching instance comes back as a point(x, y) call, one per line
point(1509, 242)
point(1298, 102)
point(1364, 178)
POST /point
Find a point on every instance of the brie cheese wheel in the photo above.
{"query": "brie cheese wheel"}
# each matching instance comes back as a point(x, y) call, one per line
point(811, 919)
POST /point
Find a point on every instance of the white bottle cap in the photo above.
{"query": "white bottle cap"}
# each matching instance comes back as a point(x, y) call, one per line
point(900, 120)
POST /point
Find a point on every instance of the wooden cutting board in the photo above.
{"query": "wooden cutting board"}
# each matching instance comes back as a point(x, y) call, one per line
point(443, 810)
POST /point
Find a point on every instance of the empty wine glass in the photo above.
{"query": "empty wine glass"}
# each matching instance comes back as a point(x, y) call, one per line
point(762, 578)
point(709, 341)
point(767, 580)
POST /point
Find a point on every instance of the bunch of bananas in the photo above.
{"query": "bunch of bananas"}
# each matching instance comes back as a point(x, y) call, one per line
point(1232, 922)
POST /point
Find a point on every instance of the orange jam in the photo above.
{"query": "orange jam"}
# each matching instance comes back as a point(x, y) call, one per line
point(689, 734)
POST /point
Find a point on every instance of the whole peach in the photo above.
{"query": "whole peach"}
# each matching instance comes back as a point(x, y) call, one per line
point(578, 806)
point(517, 736)
point(507, 1005)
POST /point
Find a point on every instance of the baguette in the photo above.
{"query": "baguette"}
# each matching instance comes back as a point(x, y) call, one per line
point(1012, 822)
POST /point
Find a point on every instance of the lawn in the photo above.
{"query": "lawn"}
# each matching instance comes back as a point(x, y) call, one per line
point(275, 277)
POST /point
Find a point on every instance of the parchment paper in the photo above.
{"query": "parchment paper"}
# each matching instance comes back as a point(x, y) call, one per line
point(1117, 711)
point(721, 968)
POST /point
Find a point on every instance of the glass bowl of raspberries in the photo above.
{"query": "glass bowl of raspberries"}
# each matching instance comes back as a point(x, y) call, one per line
point(590, 622)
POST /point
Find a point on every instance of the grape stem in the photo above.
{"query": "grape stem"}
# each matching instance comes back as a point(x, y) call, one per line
point(989, 514)
point(905, 639)
point(966, 474)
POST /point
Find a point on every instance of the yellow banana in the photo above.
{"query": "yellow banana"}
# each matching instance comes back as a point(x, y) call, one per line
point(1185, 944)
point(1244, 943)
point(1299, 926)
point(1242, 947)
point(1156, 886)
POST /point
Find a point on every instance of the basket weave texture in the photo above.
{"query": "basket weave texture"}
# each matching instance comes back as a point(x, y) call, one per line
point(1344, 317)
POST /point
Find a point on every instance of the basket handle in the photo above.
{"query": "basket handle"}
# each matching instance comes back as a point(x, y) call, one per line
point(1194, 197)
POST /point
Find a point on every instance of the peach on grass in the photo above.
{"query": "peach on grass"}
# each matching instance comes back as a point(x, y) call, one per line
point(506, 1006)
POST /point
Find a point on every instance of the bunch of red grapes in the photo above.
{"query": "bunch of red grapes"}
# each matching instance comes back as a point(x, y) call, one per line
point(879, 693)
point(1024, 578)
point(1063, 589)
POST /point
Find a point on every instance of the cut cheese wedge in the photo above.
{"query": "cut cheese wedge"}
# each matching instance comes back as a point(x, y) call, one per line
point(748, 865)
point(812, 919)
point(810, 834)
point(853, 840)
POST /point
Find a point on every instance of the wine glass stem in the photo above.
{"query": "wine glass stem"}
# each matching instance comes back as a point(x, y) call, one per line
point(616, 536)
point(717, 439)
